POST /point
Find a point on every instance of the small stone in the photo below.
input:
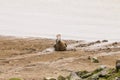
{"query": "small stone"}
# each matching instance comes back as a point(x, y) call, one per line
point(61, 78)
point(115, 43)
point(98, 41)
point(95, 60)
point(103, 66)
point(49, 79)
point(117, 65)
point(104, 40)
point(117, 78)
point(74, 76)
point(89, 57)
point(95, 77)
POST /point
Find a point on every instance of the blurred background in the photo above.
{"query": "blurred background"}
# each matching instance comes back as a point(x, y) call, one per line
point(74, 19)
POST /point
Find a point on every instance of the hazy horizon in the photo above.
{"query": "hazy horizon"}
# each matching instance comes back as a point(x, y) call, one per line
point(74, 19)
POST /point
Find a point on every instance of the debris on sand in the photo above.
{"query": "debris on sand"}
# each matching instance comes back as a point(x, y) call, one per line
point(95, 60)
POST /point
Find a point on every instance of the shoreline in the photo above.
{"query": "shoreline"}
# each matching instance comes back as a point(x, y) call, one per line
point(53, 38)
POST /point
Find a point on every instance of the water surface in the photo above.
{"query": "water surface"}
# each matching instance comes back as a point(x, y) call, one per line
point(74, 19)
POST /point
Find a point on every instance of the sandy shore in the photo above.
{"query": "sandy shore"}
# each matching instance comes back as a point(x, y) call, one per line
point(35, 58)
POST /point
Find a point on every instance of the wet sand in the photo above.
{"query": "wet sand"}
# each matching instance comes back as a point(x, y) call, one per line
point(35, 58)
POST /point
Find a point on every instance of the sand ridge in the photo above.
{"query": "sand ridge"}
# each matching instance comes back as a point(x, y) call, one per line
point(43, 61)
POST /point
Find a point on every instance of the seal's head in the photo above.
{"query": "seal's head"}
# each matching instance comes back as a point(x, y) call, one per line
point(58, 36)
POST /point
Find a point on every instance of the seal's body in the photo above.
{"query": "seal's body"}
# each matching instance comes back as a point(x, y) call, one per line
point(60, 45)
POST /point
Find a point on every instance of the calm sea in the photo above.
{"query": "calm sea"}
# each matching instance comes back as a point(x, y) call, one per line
point(74, 19)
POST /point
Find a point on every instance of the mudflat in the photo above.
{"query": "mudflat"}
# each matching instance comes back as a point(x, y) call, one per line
point(35, 58)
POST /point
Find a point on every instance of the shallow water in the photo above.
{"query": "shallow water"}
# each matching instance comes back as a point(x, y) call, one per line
point(74, 19)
